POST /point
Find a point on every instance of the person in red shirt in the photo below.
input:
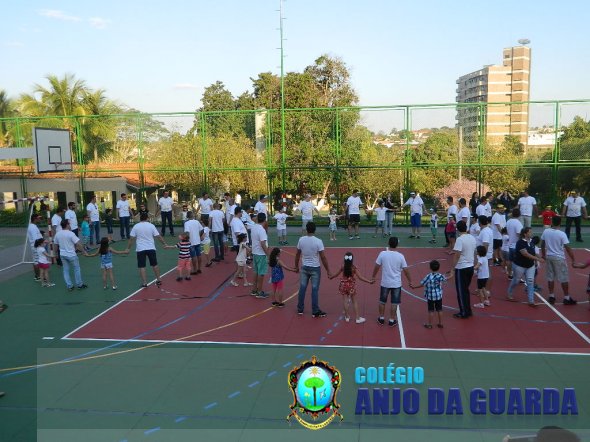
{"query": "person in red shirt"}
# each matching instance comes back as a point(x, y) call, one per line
point(547, 215)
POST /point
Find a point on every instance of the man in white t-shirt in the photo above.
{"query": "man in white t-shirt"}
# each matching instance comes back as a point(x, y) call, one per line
point(452, 211)
point(513, 229)
point(281, 219)
point(195, 231)
point(486, 239)
point(237, 226)
point(306, 207)
point(498, 223)
point(416, 206)
point(310, 250)
point(124, 215)
point(484, 207)
point(68, 243)
point(463, 263)
point(216, 219)
point(94, 215)
point(70, 215)
point(464, 214)
point(143, 233)
point(528, 208)
point(259, 255)
point(554, 246)
point(56, 220)
point(33, 234)
point(205, 205)
point(574, 209)
point(392, 264)
point(261, 206)
point(165, 207)
point(353, 208)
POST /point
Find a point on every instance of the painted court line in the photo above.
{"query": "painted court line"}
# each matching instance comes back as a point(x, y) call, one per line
point(254, 384)
point(233, 395)
point(115, 305)
point(402, 336)
point(211, 405)
point(180, 419)
point(567, 321)
point(153, 430)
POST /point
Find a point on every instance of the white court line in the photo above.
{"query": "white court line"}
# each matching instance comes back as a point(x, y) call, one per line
point(115, 305)
point(402, 336)
point(567, 321)
point(314, 346)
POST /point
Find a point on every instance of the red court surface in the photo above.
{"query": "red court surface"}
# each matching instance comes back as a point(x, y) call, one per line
point(209, 309)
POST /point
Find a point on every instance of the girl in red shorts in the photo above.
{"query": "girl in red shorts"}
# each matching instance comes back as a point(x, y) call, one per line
point(347, 287)
point(44, 259)
point(277, 276)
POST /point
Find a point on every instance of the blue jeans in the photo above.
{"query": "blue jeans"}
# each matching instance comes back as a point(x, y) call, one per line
point(95, 226)
point(307, 273)
point(124, 228)
point(217, 238)
point(389, 222)
point(71, 261)
point(529, 277)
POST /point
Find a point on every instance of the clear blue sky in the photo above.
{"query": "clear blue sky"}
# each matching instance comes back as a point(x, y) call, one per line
point(159, 56)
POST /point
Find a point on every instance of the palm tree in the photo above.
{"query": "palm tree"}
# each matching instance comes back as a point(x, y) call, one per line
point(98, 129)
point(6, 110)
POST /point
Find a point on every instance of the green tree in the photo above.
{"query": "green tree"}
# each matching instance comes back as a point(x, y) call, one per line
point(6, 111)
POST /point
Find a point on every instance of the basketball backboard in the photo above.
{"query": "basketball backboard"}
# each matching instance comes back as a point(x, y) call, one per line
point(53, 150)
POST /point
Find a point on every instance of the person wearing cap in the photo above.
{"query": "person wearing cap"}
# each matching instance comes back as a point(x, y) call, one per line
point(353, 206)
point(498, 223)
point(306, 207)
point(547, 216)
point(416, 206)
point(574, 208)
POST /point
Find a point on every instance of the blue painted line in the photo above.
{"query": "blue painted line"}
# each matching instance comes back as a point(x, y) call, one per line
point(335, 324)
point(180, 419)
point(323, 338)
point(214, 296)
point(299, 356)
point(272, 373)
point(341, 318)
point(233, 395)
point(329, 331)
point(211, 405)
point(153, 430)
point(124, 440)
point(287, 364)
point(254, 384)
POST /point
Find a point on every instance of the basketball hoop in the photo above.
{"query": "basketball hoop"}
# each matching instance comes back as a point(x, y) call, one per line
point(67, 168)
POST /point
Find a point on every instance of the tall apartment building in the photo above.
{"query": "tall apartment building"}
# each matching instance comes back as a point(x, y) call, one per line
point(506, 83)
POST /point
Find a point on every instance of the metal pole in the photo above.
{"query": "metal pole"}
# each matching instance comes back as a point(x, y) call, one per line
point(140, 158)
point(480, 143)
point(202, 117)
point(556, 154)
point(460, 152)
point(337, 149)
point(283, 158)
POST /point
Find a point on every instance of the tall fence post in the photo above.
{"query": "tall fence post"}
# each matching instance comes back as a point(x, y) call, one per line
point(80, 159)
point(555, 157)
point(202, 116)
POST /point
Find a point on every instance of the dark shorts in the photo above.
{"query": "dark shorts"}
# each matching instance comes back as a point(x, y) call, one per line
point(396, 295)
point(481, 283)
point(497, 244)
point(354, 219)
point(235, 249)
point(434, 305)
point(416, 220)
point(195, 250)
point(451, 234)
point(149, 254)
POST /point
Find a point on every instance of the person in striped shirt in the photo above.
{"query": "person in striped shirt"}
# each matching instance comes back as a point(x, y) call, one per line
point(433, 292)
point(184, 256)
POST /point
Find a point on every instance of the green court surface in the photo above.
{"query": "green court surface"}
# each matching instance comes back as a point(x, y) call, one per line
point(129, 391)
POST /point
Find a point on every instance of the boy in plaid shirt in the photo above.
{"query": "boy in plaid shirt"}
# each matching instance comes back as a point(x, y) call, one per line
point(433, 292)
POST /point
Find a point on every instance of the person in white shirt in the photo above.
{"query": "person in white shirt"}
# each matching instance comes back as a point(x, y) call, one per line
point(281, 219)
point(68, 243)
point(498, 223)
point(392, 264)
point(554, 246)
point(94, 215)
point(205, 205)
point(238, 199)
point(463, 263)
point(216, 219)
point(353, 205)
point(165, 207)
point(306, 207)
point(260, 206)
point(528, 208)
point(237, 226)
point(56, 220)
point(574, 209)
point(513, 229)
point(464, 214)
point(451, 211)
point(124, 215)
point(195, 231)
point(310, 250)
point(484, 207)
point(143, 233)
point(380, 224)
point(486, 239)
point(70, 215)
point(33, 234)
point(259, 255)
point(416, 206)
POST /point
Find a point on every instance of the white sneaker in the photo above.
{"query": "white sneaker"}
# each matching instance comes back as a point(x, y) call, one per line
point(360, 320)
point(49, 284)
point(478, 305)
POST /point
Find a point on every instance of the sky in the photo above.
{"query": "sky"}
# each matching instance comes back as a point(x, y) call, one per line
point(159, 56)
